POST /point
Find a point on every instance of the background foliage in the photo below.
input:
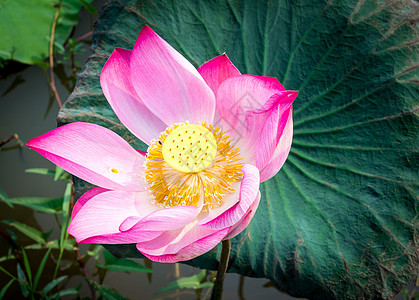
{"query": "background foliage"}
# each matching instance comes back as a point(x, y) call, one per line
point(340, 219)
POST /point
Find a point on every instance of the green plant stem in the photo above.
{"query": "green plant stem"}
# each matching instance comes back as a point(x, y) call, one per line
point(51, 55)
point(217, 292)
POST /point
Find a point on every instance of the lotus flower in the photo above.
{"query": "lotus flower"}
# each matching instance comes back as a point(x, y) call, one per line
point(213, 136)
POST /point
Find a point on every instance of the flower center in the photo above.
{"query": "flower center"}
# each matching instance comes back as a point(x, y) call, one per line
point(190, 148)
point(192, 164)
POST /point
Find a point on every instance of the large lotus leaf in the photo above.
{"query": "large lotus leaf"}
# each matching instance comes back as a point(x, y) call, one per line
point(340, 219)
point(26, 27)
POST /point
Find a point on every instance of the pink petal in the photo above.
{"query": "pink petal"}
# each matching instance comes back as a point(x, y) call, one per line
point(268, 125)
point(240, 226)
point(167, 218)
point(84, 198)
point(94, 154)
point(280, 153)
point(167, 83)
point(191, 250)
point(116, 84)
point(248, 191)
point(100, 217)
point(235, 97)
point(127, 237)
point(217, 70)
point(171, 241)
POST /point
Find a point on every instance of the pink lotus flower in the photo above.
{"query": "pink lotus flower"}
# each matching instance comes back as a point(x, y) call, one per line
point(213, 136)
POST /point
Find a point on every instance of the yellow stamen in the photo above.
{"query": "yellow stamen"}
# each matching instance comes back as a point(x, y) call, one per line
point(113, 170)
point(177, 176)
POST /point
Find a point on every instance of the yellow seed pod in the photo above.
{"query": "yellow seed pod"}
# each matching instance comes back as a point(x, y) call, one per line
point(190, 148)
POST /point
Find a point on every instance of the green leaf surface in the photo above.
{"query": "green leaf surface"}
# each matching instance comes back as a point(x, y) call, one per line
point(191, 282)
point(26, 27)
point(340, 218)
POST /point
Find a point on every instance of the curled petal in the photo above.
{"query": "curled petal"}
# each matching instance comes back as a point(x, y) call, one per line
point(244, 222)
point(217, 70)
point(248, 191)
point(92, 153)
point(116, 84)
point(236, 97)
point(167, 83)
point(192, 250)
point(280, 154)
point(274, 145)
point(166, 218)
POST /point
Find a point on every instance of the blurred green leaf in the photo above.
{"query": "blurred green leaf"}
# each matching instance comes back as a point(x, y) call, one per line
point(48, 288)
point(5, 288)
point(26, 27)
point(4, 198)
point(58, 173)
point(43, 171)
point(30, 232)
point(54, 244)
point(105, 292)
point(66, 292)
point(109, 257)
point(16, 82)
point(125, 265)
point(95, 252)
point(27, 266)
point(3, 194)
point(7, 257)
point(192, 282)
point(65, 209)
point(41, 268)
point(22, 281)
point(46, 205)
point(122, 264)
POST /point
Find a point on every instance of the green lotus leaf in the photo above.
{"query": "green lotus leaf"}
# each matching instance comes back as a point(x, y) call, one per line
point(340, 218)
point(26, 27)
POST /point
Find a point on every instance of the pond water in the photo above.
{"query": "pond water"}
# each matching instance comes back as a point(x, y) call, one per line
point(22, 111)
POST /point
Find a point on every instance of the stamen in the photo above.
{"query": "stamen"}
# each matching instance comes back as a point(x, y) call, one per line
point(204, 174)
point(113, 170)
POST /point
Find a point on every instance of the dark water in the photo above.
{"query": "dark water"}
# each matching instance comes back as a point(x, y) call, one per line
point(22, 111)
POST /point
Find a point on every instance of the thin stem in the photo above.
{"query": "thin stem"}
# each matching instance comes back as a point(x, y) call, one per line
point(11, 138)
point(84, 36)
point(51, 55)
point(177, 275)
point(217, 292)
point(83, 268)
point(241, 286)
